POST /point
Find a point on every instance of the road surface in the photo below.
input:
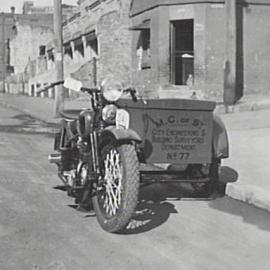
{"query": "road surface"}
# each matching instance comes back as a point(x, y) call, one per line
point(41, 229)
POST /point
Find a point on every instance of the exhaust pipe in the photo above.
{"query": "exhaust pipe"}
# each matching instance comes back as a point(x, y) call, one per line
point(55, 158)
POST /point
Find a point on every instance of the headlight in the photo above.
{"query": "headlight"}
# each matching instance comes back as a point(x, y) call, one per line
point(109, 113)
point(111, 89)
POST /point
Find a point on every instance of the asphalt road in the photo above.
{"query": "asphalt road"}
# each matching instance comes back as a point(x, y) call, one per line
point(40, 228)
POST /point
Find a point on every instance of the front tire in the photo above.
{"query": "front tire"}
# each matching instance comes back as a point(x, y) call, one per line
point(117, 187)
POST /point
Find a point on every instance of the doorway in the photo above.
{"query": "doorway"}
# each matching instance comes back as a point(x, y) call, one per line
point(182, 52)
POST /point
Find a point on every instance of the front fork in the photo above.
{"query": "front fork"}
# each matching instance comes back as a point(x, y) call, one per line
point(94, 152)
point(93, 170)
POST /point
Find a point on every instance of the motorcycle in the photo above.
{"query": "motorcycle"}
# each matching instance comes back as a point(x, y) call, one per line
point(104, 153)
point(96, 154)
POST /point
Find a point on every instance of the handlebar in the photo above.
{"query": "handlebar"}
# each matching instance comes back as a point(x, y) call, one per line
point(46, 88)
point(83, 89)
point(132, 91)
point(89, 90)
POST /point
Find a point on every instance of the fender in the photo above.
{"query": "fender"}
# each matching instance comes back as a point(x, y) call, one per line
point(111, 132)
point(220, 138)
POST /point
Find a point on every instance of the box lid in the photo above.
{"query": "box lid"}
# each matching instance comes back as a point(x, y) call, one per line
point(169, 104)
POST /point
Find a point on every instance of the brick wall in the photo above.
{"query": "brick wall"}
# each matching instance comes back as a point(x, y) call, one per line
point(110, 21)
point(26, 44)
point(253, 58)
point(115, 46)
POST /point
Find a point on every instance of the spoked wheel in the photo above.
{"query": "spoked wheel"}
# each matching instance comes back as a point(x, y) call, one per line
point(117, 188)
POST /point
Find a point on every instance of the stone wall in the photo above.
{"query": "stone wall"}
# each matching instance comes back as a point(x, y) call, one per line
point(253, 58)
point(106, 22)
point(31, 38)
point(115, 41)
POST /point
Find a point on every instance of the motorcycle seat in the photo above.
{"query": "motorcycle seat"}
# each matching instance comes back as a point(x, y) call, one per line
point(70, 114)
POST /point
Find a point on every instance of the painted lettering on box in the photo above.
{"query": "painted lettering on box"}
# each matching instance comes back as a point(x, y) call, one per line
point(176, 136)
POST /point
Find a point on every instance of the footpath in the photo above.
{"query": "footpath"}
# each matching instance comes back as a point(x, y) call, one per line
point(246, 171)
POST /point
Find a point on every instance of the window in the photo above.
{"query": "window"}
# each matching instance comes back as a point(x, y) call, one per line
point(78, 46)
point(68, 50)
point(42, 50)
point(182, 54)
point(143, 48)
point(146, 48)
point(50, 55)
point(92, 42)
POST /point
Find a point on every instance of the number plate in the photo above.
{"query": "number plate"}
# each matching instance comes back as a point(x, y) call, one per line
point(122, 119)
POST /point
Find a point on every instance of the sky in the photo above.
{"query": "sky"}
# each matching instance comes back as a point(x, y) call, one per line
point(5, 5)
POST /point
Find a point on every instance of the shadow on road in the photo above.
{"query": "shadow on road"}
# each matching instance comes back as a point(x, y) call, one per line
point(28, 125)
point(155, 206)
point(259, 218)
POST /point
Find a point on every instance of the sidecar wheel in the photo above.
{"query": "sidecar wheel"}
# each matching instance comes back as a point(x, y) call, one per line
point(210, 187)
point(117, 188)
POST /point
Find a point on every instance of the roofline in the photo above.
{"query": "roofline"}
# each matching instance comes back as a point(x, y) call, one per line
point(177, 4)
point(190, 2)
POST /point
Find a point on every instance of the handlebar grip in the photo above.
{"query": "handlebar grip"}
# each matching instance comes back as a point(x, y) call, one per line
point(46, 88)
point(132, 92)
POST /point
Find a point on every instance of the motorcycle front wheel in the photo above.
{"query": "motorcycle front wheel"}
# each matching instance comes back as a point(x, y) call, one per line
point(117, 188)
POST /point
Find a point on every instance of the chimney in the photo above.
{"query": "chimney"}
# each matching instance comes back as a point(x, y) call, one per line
point(12, 10)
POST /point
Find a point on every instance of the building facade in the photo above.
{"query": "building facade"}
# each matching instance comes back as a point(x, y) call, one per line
point(178, 41)
point(29, 8)
point(6, 33)
point(32, 33)
point(96, 44)
point(161, 45)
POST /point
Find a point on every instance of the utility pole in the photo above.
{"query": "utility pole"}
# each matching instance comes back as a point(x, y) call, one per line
point(229, 94)
point(58, 56)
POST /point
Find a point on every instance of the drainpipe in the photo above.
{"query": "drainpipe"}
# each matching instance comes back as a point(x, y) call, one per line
point(229, 91)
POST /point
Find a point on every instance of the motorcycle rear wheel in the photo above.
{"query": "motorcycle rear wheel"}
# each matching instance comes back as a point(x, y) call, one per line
point(117, 188)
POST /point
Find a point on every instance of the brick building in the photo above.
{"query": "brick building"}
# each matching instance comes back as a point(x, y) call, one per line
point(159, 45)
point(186, 37)
point(96, 40)
point(33, 31)
point(29, 8)
point(6, 32)
point(28, 44)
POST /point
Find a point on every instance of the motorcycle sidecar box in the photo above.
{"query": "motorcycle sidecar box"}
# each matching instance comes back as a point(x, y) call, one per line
point(177, 131)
